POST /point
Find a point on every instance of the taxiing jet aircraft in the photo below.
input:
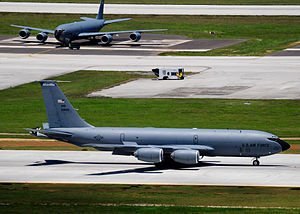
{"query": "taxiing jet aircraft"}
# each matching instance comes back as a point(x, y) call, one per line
point(161, 146)
point(87, 29)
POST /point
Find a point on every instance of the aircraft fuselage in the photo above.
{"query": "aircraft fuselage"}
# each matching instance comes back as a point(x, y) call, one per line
point(66, 33)
point(243, 143)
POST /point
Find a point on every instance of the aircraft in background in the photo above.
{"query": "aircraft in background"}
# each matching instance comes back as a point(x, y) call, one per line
point(161, 146)
point(87, 29)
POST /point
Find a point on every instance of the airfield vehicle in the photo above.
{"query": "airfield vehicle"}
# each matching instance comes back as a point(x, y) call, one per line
point(169, 73)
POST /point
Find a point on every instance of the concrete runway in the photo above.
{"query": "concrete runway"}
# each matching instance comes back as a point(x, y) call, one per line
point(102, 167)
point(252, 10)
point(150, 44)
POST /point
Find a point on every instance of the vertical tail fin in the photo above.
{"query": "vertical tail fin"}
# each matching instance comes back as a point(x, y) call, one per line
point(60, 112)
point(100, 12)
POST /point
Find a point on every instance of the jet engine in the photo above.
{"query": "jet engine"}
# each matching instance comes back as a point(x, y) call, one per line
point(42, 37)
point(154, 155)
point(136, 36)
point(186, 156)
point(24, 34)
point(106, 39)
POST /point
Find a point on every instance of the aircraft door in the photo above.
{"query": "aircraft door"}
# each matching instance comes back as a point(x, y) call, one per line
point(195, 139)
point(122, 137)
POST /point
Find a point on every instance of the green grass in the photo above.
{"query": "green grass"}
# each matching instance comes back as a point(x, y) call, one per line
point(23, 106)
point(265, 34)
point(209, 2)
point(89, 198)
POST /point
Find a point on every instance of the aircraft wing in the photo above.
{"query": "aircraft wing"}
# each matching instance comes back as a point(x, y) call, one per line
point(117, 32)
point(33, 28)
point(133, 146)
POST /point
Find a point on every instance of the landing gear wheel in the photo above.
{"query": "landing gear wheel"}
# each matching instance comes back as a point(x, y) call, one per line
point(256, 163)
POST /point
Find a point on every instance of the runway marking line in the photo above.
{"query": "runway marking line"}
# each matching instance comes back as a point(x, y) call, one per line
point(111, 49)
point(146, 183)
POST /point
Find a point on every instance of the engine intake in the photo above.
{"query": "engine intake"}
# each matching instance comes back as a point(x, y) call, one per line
point(186, 156)
point(136, 36)
point(42, 37)
point(24, 34)
point(106, 39)
point(154, 155)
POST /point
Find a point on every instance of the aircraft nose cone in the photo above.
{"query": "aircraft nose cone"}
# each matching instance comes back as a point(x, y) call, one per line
point(284, 145)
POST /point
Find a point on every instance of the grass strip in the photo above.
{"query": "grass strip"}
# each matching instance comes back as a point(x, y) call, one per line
point(265, 34)
point(88, 198)
point(23, 106)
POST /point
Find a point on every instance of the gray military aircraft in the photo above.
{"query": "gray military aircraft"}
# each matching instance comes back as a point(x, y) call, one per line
point(87, 29)
point(161, 146)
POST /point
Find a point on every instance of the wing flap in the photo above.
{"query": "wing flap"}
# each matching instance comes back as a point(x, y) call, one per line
point(33, 28)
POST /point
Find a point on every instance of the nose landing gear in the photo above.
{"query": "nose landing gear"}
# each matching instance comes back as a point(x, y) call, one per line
point(256, 162)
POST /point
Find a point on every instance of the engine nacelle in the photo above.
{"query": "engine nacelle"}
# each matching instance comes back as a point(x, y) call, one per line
point(24, 34)
point(186, 156)
point(106, 39)
point(154, 155)
point(42, 37)
point(136, 36)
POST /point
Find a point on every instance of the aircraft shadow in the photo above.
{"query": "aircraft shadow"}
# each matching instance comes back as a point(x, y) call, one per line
point(59, 162)
point(152, 169)
point(156, 170)
point(37, 42)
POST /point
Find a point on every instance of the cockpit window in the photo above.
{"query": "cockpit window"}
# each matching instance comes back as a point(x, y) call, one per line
point(275, 139)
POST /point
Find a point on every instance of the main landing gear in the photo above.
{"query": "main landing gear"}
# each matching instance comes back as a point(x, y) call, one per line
point(72, 46)
point(256, 162)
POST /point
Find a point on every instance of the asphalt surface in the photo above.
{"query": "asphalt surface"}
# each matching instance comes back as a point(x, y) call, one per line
point(102, 167)
point(252, 10)
point(293, 51)
point(150, 44)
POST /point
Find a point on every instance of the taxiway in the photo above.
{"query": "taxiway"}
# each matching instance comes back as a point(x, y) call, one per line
point(219, 77)
point(102, 167)
point(150, 44)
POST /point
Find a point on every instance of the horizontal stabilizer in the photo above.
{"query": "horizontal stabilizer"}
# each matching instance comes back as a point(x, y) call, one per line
point(87, 18)
point(52, 133)
point(116, 20)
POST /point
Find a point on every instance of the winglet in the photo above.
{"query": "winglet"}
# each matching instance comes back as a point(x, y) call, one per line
point(100, 12)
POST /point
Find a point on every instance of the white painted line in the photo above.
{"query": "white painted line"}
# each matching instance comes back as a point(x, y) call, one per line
point(292, 49)
point(72, 8)
point(111, 48)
